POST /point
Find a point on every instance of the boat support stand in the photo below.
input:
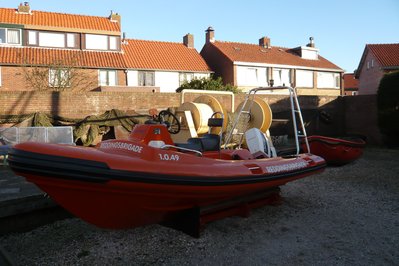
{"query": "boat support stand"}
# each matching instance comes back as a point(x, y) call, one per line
point(193, 221)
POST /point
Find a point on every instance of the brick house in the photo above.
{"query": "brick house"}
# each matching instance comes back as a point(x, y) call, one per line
point(253, 65)
point(376, 60)
point(88, 53)
point(351, 84)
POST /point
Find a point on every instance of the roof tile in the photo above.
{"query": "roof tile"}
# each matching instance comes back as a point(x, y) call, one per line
point(275, 55)
point(137, 54)
point(141, 54)
point(386, 54)
point(350, 81)
point(58, 20)
point(44, 56)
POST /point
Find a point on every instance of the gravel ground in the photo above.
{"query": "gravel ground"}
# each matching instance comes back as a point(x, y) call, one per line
point(345, 216)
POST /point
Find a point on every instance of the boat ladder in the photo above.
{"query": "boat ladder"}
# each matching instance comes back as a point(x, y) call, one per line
point(239, 128)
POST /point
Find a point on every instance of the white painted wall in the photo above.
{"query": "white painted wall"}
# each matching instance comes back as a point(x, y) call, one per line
point(309, 53)
point(167, 81)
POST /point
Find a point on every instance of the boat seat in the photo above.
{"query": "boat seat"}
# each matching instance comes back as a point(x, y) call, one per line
point(210, 142)
point(192, 144)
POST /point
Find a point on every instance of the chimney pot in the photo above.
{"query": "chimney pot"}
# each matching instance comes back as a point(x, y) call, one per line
point(210, 35)
point(311, 42)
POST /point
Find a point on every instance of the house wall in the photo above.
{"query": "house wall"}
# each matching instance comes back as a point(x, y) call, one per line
point(245, 80)
point(13, 79)
point(219, 63)
point(166, 81)
point(370, 76)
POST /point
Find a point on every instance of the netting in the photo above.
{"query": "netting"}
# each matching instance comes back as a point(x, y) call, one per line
point(85, 130)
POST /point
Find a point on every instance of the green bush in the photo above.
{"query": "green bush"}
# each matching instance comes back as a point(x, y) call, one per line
point(207, 84)
point(388, 108)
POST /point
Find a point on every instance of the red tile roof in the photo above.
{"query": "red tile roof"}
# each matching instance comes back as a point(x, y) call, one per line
point(350, 82)
point(58, 20)
point(275, 55)
point(386, 54)
point(45, 57)
point(137, 54)
point(158, 55)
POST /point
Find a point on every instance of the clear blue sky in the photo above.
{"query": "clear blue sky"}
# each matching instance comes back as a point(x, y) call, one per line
point(341, 28)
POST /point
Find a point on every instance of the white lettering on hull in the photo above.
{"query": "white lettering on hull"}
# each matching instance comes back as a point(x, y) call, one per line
point(286, 167)
point(121, 145)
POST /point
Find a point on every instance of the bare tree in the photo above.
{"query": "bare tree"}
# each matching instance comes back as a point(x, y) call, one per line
point(60, 75)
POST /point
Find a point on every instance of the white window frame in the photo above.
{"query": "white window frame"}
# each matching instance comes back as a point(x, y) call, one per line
point(109, 80)
point(52, 39)
point(146, 78)
point(185, 77)
point(6, 41)
point(63, 73)
point(303, 82)
point(327, 80)
point(113, 43)
point(32, 37)
point(97, 42)
point(70, 40)
point(282, 76)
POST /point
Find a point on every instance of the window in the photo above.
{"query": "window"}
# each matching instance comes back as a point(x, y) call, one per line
point(185, 77)
point(113, 43)
point(59, 78)
point(282, 77)
point(10, 36)
point(146, 78)
point(327, 80)
point(71, 40)
point(107, 78)
point(304, 79)
point(49, 39)
point(32, 37)
point(251, 76)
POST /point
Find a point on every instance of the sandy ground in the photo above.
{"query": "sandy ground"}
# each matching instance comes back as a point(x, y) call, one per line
point(345, 216)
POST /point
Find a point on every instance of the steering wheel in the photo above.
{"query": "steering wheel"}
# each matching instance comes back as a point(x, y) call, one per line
point(170, 120)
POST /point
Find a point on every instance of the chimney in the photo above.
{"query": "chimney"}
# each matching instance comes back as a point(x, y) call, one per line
point(311, 42)
point(264, 42)
point(24, 8)
point(188, 40)
point(210, 35)
point(115, 17)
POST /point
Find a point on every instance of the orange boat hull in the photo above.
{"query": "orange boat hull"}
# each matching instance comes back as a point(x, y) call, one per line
point(336, 151)
point(127, 183)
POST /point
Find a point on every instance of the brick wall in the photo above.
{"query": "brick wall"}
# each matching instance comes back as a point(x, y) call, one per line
point(13, 79)
point(348, 114)
point(370, 76)
point(361, 117)
point(79, 105)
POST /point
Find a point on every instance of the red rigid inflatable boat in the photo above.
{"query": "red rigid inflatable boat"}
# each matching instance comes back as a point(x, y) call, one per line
point(130, 183)
point(336, 151)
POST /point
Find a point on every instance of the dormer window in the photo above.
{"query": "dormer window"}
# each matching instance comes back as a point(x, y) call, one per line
point(10, 36)
point(102, 42)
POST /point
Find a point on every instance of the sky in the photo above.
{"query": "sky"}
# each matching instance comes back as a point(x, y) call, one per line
point(340, 28)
